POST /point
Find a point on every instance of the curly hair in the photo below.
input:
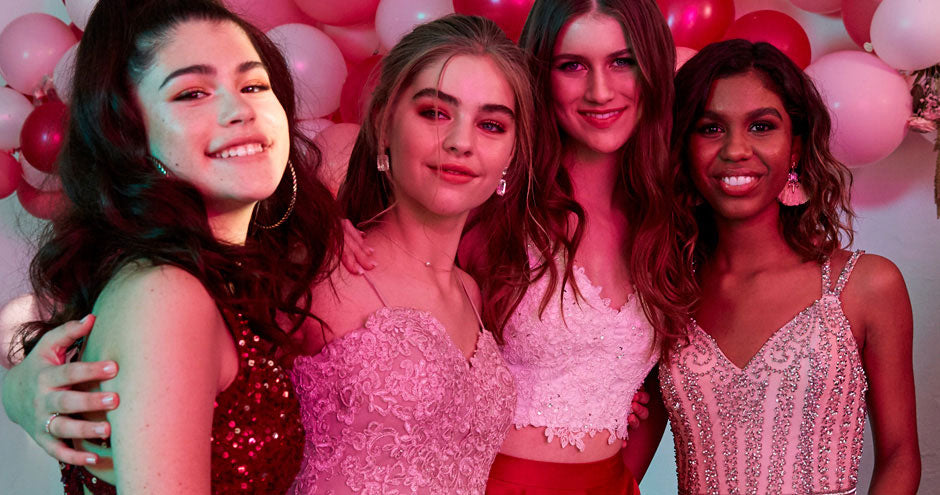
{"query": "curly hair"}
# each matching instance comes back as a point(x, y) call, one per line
point(123, 210)
point(663, 278)
point(814, 229)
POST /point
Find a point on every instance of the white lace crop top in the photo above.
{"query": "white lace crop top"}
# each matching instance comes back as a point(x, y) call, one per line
point(577, 375)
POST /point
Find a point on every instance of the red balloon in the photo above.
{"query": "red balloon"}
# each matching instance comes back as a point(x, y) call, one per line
point(696, 23)
point(776, 28)
point(43, 133)
point(41, 204)
point(857, 15)
point(358, 88)
point(508, 14)
point(11, 174)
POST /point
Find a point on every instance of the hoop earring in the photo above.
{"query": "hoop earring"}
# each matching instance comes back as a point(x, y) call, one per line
point(157, 164)
point(381, 162)
point(290, 206)
point(501, 185)
point(792, 193)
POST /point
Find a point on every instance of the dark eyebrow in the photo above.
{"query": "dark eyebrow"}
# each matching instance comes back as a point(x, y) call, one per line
point(753, 114)
point(209, 70)
point(626, 52)
point(452, 100)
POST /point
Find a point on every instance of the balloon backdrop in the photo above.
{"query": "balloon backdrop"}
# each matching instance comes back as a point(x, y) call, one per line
point(14, 108)
point(62, 75)
point(268, 13)
point(317, 66)
point(310, 128)
point(869, 103)
point(39, 179)
point(775, 28)
point(43, 133)
point(339, 13)
point(40, 204)
point(336, 144)
point(79, 11)
point(508, 14)
point(11, 174)
point(906, 33)
point(395, 18)
point(357, 42)
point(818, 6)
point(358, 89)
point(696, 23)
point(683, 55)
point(30, 46)
point(856, 15)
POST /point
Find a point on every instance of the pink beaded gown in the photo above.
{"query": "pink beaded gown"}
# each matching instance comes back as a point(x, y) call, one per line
point(395, 407)
point(791, 421)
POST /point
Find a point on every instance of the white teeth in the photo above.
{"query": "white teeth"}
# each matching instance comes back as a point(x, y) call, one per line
point(243, 150)
point(605, 115)
point(737, 180)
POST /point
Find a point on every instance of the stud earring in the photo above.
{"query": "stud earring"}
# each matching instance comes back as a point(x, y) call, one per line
point(381, 162)
point(792, 193)
point(501, 186)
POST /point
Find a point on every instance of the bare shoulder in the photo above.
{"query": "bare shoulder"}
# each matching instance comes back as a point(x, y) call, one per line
point(875, 299)
point(874, 277)
point(473, 290)
point(343, 302)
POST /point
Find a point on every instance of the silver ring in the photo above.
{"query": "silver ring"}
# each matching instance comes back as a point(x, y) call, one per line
point(49, 421)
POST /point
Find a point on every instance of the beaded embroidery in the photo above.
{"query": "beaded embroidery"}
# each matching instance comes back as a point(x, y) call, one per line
point(792, 421)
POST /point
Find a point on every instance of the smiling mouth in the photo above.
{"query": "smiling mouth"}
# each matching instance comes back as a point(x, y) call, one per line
point(738, 185)
point(602, 119)
point(737, 180)
point(240, 150)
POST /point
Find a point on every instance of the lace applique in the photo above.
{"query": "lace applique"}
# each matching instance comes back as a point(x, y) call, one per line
point(577, 375)
point(395, 407)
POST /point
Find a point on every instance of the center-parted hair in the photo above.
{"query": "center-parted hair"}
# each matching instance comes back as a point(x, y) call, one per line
point(123, 210)
point(814, 229)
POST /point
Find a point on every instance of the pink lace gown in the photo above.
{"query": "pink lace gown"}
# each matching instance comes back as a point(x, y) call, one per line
point(395, 408)
point(791, 421)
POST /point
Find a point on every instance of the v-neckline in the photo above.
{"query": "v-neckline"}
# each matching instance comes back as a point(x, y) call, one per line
point(597, 289)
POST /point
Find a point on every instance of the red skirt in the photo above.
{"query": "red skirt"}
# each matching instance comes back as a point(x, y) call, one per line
point(514, 476)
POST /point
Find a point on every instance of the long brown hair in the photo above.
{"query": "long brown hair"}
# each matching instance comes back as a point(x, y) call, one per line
point(660, 272)
point(814, 229)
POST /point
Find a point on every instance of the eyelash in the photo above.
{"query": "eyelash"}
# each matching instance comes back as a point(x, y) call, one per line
point(487, 125)
point(194, 94)
point(619, 62)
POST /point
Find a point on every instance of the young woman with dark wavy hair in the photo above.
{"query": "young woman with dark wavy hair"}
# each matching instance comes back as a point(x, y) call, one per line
point(183, 166)
point(794, 339)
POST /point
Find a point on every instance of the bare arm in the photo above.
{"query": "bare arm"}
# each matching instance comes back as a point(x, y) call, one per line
point(176, 355)
point(881, 305)
point(644, 439)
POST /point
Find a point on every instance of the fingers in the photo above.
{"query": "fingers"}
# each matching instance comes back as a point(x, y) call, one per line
point(71, 402)
point(65, 427)
point(632, 421)
point(53, 344)
point(357, 256)
point(641, 396)
point(640, 411)
point(63, 453)
point(71, 374)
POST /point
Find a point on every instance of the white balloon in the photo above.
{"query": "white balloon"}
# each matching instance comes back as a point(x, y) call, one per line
point(906, 33)
point(396, 18)
point(311, 128)
point(14, 108)
point(63, 73)
point(79, 11)
point(316, 65)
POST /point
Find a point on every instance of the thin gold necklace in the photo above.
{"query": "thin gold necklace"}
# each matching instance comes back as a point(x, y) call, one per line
point(426, 263)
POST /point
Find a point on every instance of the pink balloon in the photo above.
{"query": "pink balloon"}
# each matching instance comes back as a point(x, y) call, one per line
point(11, 174)
point(269, 13)
point(869, 119)
point(38, 179)
point(14, 108)
point(906, 33)
point(819, 6)
point(396, 18)
point(336, 143)
point(357, 42)
point(30, 46)
point(683, 54)
point(62, 75)
point(311, 128)
point(339, 13)
point(856, 15)
point(696, 23)
point(776, 28)
point(317, 66)
point(43, 133)
point(41, 204)
point(79, 11)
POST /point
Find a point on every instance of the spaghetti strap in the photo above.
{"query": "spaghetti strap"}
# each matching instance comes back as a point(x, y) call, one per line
point(375, 289)
point(476, 312)
point(844, 276)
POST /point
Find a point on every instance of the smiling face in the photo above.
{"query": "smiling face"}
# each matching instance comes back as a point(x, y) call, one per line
point(742, 147)
point(211, 117)
point(451, 135)
point(594, 83)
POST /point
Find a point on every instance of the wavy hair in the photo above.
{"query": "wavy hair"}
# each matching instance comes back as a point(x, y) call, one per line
point(123, 210)
point(663, 278)
point(814, 229)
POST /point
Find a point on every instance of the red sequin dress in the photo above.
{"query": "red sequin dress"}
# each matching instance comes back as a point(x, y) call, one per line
point(257, 437)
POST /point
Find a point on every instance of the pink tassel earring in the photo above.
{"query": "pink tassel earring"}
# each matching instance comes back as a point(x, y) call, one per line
point(792, 193)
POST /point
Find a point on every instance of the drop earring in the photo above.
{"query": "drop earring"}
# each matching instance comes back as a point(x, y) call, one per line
point(792, 193)
point(381, 162)
point(501, 186)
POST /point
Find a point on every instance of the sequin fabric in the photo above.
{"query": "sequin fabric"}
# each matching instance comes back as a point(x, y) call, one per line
point(792, 421)
point(577, 374)
point(257, 438)
point(395, 408)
